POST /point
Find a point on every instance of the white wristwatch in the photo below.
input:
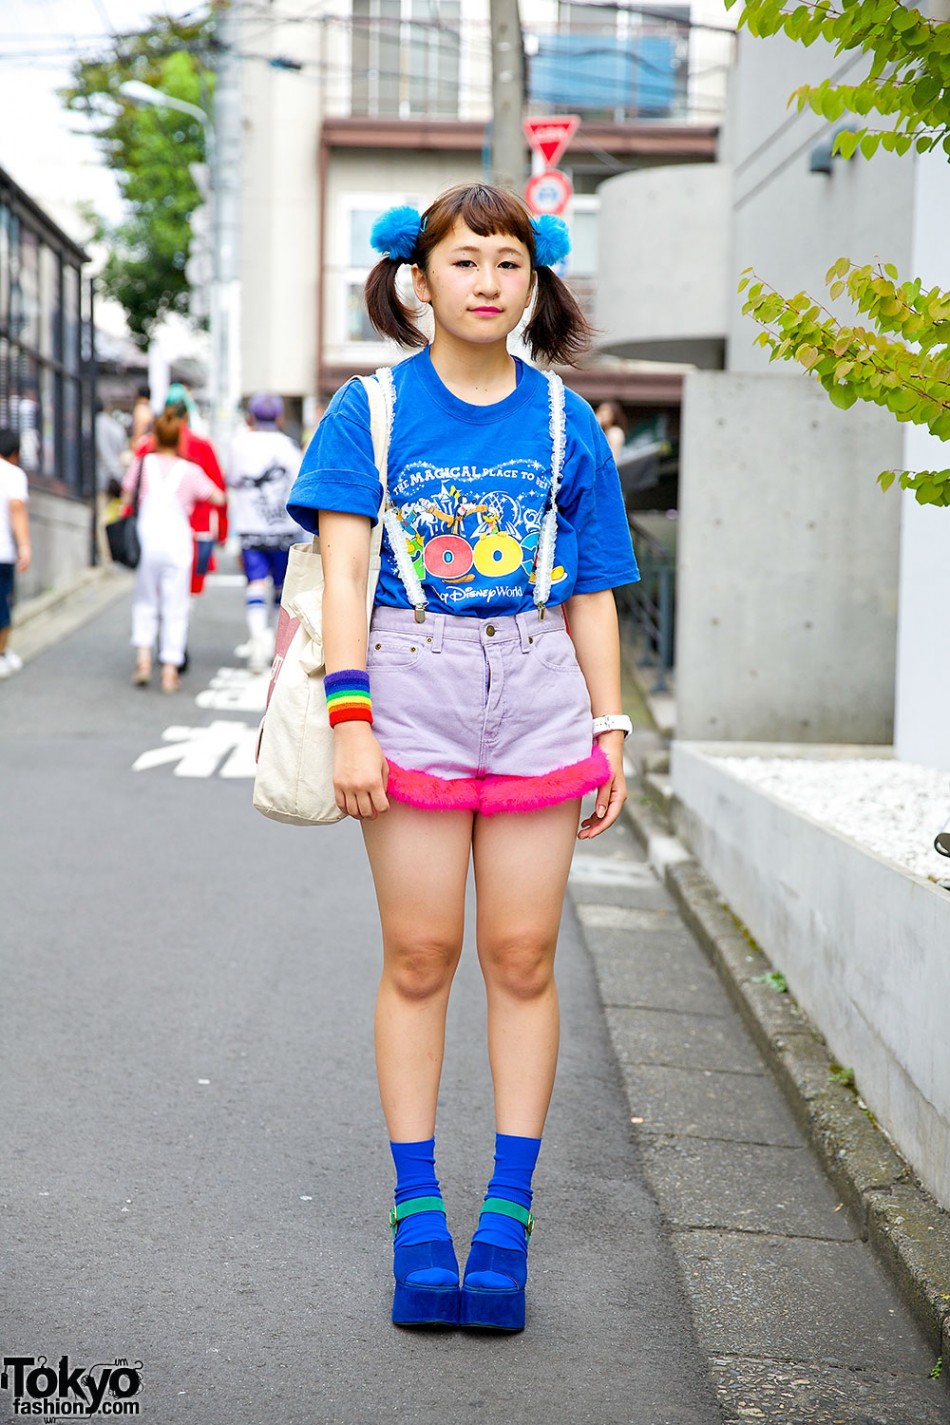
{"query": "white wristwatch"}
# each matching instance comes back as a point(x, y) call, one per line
point(613, 722)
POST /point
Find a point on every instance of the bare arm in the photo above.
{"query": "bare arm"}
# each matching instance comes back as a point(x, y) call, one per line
point(594, 629)
point(20, 525)
point(360, 771)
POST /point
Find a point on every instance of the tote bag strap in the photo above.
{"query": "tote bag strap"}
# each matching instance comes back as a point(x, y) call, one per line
point(381, 398)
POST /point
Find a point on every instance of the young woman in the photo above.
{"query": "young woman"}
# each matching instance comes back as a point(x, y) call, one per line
point(168, 490)
point(468, 721)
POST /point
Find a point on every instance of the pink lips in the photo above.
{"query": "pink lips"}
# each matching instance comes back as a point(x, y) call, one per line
point(487, 311)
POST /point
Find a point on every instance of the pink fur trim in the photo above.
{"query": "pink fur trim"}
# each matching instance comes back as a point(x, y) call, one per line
point(514, 794)
point(421, 789)
point(491, 795)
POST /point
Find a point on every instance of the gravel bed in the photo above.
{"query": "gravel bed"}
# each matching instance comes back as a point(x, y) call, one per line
point(893, 808)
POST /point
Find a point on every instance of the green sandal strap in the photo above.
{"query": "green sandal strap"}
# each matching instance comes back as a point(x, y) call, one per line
point(504, 1208)
point(410, 1208)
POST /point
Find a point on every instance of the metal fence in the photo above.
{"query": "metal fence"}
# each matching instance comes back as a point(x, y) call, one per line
point(648, 609)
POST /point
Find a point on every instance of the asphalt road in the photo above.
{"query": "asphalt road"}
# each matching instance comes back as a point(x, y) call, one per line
point(196, 1176)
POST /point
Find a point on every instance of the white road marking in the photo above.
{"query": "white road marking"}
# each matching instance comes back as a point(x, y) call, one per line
point(236, 690)
point(200, 751)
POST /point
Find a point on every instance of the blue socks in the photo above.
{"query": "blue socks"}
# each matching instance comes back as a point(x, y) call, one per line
point(415, 1177)
point(515, 1160)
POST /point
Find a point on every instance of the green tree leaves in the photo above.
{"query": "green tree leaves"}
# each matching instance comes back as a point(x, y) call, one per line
point(908, 79)
point(901, 362)
point(150, 150)
point(899, 357)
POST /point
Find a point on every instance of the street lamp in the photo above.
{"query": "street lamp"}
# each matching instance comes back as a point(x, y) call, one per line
point(220, 359)
point(141, 93)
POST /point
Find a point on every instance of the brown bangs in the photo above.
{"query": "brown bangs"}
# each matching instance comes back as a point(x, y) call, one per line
point(484, 209)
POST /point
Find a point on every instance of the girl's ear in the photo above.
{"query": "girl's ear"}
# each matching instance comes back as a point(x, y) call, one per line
point(419, 284)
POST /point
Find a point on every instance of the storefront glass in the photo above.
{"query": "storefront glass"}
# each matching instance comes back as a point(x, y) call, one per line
point(45, 393)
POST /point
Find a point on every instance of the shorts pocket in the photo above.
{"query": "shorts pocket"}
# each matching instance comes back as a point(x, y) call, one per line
point(388, 649)
point(555, 651)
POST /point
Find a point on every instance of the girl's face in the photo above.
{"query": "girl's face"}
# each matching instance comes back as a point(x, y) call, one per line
point(478, 286)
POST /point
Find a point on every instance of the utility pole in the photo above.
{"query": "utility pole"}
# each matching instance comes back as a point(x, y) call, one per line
point(226, 185)
point(509, 154)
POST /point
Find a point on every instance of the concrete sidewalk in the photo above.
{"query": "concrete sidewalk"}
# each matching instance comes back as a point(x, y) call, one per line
point(798, 1320)
point(39, 623)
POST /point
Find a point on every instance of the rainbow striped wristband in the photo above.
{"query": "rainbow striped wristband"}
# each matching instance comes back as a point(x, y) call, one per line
point(348, 698)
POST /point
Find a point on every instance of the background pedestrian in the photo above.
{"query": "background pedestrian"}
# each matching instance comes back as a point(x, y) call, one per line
point(143, 417)
point(15, 553)
point(262, 467)
point(112, 461)
point(209, 518)
point(613, 423)
point(169, 490)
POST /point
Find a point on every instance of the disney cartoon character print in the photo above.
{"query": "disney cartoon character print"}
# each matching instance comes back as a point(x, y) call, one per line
point(473, 533)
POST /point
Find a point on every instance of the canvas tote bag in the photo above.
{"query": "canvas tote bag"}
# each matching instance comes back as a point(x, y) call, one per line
point(294, 779)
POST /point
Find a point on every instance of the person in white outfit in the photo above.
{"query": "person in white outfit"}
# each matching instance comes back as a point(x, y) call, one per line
point(262, 467)
point(15, 554)
point(168, 490)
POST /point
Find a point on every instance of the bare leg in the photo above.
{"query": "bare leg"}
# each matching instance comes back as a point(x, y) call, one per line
point(420, 862)
point(521, 868)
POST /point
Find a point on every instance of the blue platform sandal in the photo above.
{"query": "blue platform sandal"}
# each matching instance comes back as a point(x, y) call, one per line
point(427, 1273)
point(493, 1287)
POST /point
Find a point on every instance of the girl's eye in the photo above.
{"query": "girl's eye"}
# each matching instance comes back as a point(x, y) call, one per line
point(464, 262)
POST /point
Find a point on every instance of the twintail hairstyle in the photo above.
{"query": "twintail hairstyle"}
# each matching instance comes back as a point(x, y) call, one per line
point(557, 329)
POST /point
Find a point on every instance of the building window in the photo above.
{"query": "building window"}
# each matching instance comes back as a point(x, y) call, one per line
point(405, 58)
point(357, 214)
point(584, 215)
point(612, 63)
point(43, 392)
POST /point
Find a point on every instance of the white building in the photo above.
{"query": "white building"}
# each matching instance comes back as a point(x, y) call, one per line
point(391, 105)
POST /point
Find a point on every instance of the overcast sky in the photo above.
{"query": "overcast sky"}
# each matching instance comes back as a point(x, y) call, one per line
point(39, 39)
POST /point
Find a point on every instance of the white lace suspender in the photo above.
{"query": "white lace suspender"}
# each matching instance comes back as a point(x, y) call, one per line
point(547, 537)
point(392, 524)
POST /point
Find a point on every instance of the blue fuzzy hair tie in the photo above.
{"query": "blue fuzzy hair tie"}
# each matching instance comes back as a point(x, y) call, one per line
point(395, 233)
point(552, 240)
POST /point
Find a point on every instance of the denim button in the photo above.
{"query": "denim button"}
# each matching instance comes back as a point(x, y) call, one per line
point(490, 630)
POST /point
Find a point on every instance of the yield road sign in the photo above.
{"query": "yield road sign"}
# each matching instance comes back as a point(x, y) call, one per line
point(550, 137)
point(548, 192)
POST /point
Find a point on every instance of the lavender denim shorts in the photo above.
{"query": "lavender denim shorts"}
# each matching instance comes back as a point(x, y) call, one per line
point(489, 715)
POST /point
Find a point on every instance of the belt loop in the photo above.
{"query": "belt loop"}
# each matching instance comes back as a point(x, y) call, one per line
point(434, 631)
point(524, 629)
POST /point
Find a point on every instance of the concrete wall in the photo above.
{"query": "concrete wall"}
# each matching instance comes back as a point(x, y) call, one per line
point(61, 538)
point(922, 732)
point(787, 564)
point(788, 223)
point(863, 945)
point(663, 262)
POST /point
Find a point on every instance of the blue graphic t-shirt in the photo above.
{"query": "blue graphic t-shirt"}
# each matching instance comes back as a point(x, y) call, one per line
point(471, 485)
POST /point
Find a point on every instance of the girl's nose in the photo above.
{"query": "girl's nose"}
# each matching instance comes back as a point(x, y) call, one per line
point(487, 281)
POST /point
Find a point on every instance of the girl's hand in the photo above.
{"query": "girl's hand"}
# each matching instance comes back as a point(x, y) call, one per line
point(612, 795)
point(360, 771)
